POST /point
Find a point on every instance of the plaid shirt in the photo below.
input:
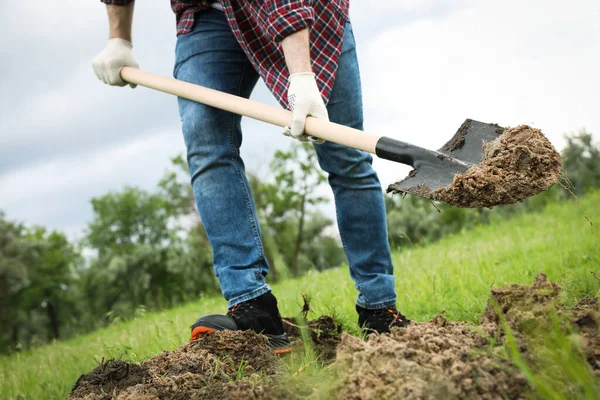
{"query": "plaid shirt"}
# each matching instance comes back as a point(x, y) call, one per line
point(259, 26)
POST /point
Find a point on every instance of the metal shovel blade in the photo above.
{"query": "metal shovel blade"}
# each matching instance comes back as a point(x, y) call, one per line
point(460, 153)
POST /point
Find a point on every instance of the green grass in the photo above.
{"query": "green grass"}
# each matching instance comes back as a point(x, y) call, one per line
point(454, 274)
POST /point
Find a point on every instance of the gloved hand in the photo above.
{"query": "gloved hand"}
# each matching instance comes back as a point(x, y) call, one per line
point(305, 99)
point(108, 63)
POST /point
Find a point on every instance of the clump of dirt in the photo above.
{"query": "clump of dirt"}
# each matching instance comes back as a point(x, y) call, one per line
point(325, 333)
point(586, 316)
point(225, 364)
point(112, 376)
point(520, 163)
point(527, 311)
point(425, 361)
point(524, 307)
point(455, 360)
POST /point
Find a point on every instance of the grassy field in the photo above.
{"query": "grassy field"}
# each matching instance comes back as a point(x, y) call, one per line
point(454, 274)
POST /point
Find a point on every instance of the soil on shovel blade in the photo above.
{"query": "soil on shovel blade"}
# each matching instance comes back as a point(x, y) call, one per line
point(437, 359)
point(520, 163)
point(453, 360)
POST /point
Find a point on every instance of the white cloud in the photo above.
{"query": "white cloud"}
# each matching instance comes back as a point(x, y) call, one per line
point(426, 66)
point(506, 62)
point(52, 192)
point(51, 103)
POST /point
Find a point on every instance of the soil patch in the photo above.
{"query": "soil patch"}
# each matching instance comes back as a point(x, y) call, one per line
point(325, 333)
point(426, 361)
point(112, 376)
point(224, 364)
point(437, 359)
point(454, 360)
point(528, 309)
point(524, 307)
point(520, 163)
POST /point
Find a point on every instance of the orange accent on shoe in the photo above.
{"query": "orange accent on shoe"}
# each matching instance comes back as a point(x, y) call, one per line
point(283, 351)
point(395, 314)
point(200, 331)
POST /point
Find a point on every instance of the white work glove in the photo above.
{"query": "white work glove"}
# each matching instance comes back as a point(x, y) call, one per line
point(305, 99)
point(116, 55)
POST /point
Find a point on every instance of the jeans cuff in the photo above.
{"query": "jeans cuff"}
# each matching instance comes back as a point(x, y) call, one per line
point(377, 306)
point(249, 296)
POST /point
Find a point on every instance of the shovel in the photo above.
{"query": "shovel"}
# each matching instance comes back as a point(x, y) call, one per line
point(432, 170)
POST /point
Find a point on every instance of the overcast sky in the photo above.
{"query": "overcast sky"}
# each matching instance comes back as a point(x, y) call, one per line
point(426, 66)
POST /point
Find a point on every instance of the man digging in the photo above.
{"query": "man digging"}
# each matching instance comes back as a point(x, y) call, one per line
point(305, 53)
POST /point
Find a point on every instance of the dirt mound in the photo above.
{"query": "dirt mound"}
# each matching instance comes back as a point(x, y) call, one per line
point(437, 359)
point(520, 163)
point(224, 364)
point(325, 333)
point(425, 361)
point(454, 360)
point(586, 316)
point(524, 307)
point(112, 376)
point(528, 310)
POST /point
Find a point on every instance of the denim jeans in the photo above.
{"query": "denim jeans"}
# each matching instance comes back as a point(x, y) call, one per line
point(210, 56)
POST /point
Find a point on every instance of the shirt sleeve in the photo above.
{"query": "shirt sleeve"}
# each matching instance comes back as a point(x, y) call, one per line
point(117, 2)
point(287, 17)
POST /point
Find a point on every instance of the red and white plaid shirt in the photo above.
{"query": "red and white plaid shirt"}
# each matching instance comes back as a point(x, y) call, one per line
point(259, 26)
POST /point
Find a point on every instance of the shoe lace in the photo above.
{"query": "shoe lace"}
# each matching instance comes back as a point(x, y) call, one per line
point(393, 313)
point(239, 308)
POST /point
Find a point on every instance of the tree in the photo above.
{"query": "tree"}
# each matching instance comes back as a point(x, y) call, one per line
point(152, 248)
point(297, 176)
point(15, 255)
point(130, 231)
point(581, 161)
point(37, 287)
point(52, 278)
point(411, 220)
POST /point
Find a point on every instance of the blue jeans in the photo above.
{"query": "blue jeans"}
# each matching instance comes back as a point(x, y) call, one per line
point(210, 56)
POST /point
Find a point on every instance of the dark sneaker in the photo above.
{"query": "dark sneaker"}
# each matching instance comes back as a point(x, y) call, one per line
point(380, 320)
point(259, 314)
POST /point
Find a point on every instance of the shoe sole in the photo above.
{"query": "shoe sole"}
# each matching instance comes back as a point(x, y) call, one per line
point(280, 344)
point(200, 331)
point(283, 351)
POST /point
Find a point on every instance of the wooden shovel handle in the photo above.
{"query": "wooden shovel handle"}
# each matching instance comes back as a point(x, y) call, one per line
point(249, 108)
